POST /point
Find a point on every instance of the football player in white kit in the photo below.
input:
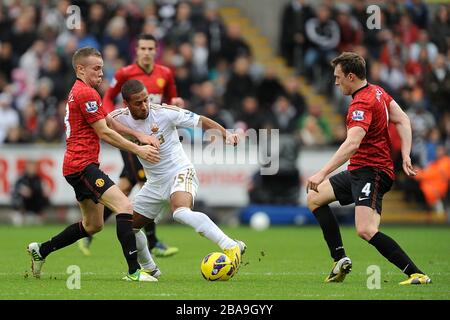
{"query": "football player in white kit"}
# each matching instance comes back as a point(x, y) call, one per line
point(172, 183)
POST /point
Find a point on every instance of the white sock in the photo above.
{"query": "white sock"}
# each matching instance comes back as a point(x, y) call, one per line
point(144, 257)
point(203, 225)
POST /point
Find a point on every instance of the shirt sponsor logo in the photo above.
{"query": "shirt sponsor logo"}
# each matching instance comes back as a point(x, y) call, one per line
point(358, 115)
point(91, 106)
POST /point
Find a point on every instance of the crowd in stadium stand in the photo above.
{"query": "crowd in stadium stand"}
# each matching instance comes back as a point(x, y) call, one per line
point(214, 67)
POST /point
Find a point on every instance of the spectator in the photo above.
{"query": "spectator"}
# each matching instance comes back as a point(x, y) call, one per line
point(292, 91)
point(313, 128)
point(283, 115)
point(423, 42)
point(433, 142)
point(181, 31)
point(29, 197)
point(239, 85)
point(440, 28)
point(116, 34)
point(6, 60)
point(323, 35)
point(215, 31)
point(9, 117)
point(235, 45)
point(421, 122)
point(200, 53)
point(437, 85)
point(292, 37)
point(250, 115)
point(269, 89)
point(434, 180)
point(419, 12)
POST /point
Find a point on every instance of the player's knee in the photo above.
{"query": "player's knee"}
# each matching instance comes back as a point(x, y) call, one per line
point(93, 228)
point(312, 201)
point(366, 233)
point(125, 208)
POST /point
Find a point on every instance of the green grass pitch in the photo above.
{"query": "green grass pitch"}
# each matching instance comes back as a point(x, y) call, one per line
point(282, 263)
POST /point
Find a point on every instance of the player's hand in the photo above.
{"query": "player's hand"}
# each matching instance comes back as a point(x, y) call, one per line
point(314, 181)
point(232, 138)
point(150, 140)
point(149, 153)
point(408, 167)
point(177, 101)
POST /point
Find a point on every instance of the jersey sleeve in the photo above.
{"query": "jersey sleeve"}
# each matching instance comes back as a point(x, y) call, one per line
point(113, 91)
point(90, 105)
point(387, 98)
point(181, 117)
point(119, 114)
point(359, 115)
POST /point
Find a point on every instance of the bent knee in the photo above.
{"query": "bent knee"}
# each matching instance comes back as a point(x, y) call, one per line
point(366, 233)
point(312, 201)
point(93, 228)
point(125, 208)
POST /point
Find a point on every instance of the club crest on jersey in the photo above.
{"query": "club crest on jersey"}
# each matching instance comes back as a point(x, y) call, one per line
point(358, 115)
point(155, 128)
point(91, 106)
point(160, 82)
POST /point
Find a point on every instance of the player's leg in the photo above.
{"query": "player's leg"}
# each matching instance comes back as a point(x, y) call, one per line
point(182, 195)
point(125, 185)
point(318, 204)
point(144, 257)
point(114, 199)
point(91, 223)
point(88, 185)
point(367, 220)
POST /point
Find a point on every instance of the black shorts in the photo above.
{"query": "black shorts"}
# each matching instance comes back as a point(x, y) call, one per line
point(132, 168)
point(364, 187)
point(90, 183)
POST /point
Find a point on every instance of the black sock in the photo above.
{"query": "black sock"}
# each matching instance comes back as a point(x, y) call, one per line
point(331, 233)
point(127, 239)
point(107, 212)
point(392, 251)
point(150, 232)
point(68, 236)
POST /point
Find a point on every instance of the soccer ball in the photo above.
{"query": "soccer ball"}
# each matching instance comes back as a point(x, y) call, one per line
point(216, 266)
point(260, 221)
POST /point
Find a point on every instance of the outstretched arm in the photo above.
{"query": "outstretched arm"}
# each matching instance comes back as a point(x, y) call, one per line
point(403, 125)
point(348, 148)
point(207, 123)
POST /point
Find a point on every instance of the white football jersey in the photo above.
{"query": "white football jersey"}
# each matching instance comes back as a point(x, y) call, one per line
point(162, 122)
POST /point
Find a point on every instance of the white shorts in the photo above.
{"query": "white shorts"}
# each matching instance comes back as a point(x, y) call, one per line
point(153, 200)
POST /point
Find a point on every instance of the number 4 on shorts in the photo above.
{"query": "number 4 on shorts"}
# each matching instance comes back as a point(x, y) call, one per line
point(366, 189)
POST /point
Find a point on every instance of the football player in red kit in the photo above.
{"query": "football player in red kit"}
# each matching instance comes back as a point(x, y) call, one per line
point(86, 123)
point(370, 173)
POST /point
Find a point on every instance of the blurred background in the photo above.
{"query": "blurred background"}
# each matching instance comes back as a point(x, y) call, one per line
point(254, 64)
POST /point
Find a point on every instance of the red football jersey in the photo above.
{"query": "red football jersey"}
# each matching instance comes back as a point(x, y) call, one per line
point(84, 107)
point(159, 82)
point(370, 111)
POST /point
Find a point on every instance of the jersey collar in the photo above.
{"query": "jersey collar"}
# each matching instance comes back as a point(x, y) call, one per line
point(363, 87)
point(143, 70)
